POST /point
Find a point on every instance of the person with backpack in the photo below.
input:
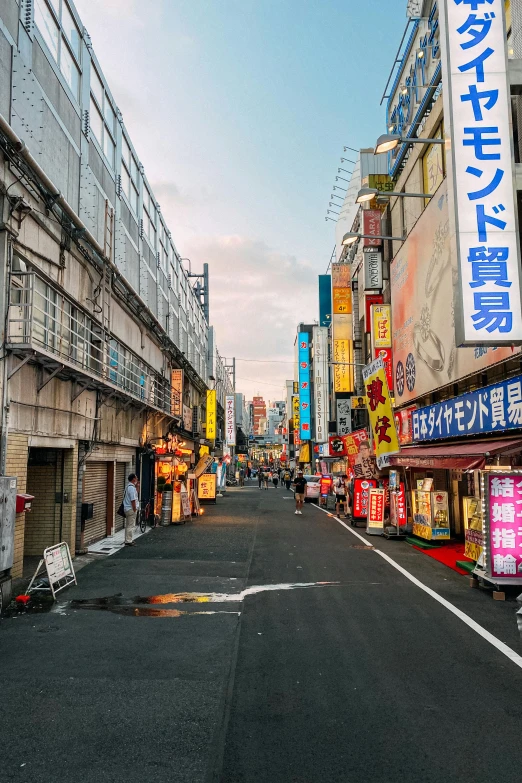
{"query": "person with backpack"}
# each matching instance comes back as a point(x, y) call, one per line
point(275, 478)
point(341, 492)
point(287, 478)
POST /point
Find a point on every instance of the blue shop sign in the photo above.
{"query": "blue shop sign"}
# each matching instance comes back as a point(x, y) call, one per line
point(493, 409)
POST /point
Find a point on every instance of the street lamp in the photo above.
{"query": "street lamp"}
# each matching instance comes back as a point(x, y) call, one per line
point(353, 236)
point(388, 141)
point(367, 194)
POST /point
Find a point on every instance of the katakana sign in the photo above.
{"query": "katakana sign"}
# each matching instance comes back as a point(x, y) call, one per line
point(305, 413)
point(495, 408)
point(380, 409)
point(504, 526)
point(482, 200)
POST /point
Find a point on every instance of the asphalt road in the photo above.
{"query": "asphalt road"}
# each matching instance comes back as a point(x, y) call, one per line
point(367, 679)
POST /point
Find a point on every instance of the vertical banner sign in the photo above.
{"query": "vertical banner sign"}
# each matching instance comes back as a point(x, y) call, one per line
point(482, 199)
point(342, 337)
point(304, 386)
point(372, 270)
point(176, 400)
point(344, 417)
point(381, 326)
point(320, 368)
point(503, 527)
point(372, 225)
point(380, 409)
point(325, 300)
point(211, 414)
point(376, 504)
point(297, 419)
point(230, 419)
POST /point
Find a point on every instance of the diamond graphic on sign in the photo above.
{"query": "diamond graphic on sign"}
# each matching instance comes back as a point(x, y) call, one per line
point(399, 378)
point(410, 373)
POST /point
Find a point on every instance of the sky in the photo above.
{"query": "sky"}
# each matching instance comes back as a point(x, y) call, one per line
point(239, 111)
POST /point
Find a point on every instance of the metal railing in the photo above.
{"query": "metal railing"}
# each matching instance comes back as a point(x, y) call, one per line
point(43, 319)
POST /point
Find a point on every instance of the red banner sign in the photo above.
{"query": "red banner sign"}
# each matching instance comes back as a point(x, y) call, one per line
point(361, 496)
point(372, 225)
point(386, 355)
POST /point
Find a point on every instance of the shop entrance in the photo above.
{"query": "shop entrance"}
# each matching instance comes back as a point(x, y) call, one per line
point(44, 524)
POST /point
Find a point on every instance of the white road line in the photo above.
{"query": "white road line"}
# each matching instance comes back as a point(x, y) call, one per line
point(489, 637)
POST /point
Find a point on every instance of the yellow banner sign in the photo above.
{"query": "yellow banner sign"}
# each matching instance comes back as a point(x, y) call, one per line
point(207, 486)
point(343, 365)
point(380, 409)
point(304, 452)
point(381, 326)
point(341, 301)
point(211, 414)
point(176, 400)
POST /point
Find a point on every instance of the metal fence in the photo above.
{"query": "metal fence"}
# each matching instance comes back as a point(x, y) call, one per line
point(42, 318)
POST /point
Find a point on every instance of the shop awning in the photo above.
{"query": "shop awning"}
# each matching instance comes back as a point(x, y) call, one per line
point(454, 456)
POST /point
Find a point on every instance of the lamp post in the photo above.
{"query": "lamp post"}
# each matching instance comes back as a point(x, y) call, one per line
point(367, 194)
point(352, 236)
point(389, 141)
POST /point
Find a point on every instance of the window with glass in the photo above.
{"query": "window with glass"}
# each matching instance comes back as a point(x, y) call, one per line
point(58, 29)
point(102, 119)
point(129, 176)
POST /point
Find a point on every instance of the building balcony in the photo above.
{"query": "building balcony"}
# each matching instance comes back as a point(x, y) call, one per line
point(47, 328)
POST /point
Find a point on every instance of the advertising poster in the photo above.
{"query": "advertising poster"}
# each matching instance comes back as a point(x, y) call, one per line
point(404, 425)
point(423, 277)
point(503, 527)
point(380, 409)
point(376, 505)
point(358, 403)
point(359, 453)
point(207, 486)
point(398, 516)
point(361, 496)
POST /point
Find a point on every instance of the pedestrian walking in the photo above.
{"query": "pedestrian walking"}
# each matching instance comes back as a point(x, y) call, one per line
point(260, 477)
point(275, 479)
point(299, 491)
point(341, 493)
point(241, 477)
point(266, 476)
point(130, 508)
point(287, 478)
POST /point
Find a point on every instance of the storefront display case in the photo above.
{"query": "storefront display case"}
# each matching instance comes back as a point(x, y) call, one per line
point(473, 528)
point(431, 515)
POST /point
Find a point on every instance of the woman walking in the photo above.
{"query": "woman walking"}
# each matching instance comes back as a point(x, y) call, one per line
point(275, 479)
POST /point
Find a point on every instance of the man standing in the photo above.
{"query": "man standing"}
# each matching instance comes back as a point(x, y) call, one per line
point(130, 508)
point(299, 491)
point(341, 491)
point(241, 477)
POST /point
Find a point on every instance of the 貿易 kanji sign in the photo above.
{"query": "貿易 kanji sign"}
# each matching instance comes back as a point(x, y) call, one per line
point(482, 199)
point(380, 409)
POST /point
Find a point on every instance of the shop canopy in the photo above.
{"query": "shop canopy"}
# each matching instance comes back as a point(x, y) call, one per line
point(454, 456)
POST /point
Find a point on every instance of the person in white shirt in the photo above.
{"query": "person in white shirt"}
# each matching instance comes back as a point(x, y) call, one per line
point(130, 508)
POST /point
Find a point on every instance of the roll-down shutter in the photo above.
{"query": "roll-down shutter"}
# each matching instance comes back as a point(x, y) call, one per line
point(95, 492)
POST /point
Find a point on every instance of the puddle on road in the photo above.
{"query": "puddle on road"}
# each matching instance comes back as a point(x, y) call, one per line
point(143, 611)
point(143, 606)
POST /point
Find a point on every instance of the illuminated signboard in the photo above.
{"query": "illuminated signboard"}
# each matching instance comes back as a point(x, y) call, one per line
point(304, 385)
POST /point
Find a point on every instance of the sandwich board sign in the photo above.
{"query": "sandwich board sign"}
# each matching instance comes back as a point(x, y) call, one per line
point(59, 566)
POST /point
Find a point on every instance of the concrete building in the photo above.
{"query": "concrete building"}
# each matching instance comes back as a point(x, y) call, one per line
point(259, 406)
point(97, 305)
